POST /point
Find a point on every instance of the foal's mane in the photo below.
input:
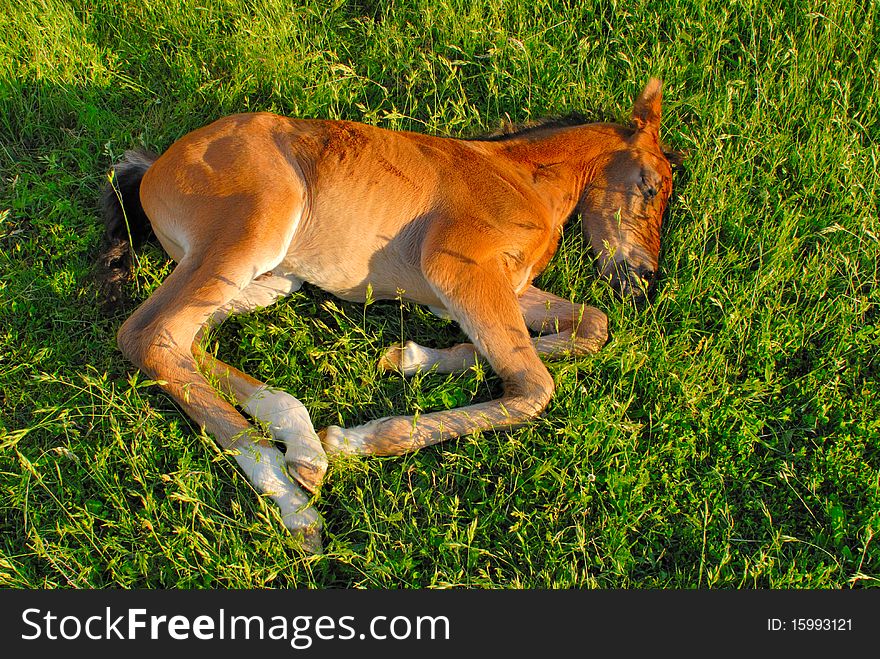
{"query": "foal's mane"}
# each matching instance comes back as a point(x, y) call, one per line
point(510, 131)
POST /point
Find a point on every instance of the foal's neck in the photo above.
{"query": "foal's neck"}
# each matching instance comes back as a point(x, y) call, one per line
point(563, 161)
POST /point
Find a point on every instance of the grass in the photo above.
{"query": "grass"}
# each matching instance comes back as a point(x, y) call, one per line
point(726, 437)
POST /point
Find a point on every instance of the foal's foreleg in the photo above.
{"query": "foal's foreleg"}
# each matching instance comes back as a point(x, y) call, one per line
point(567, 329)
point(482, 300)
point(411, 358)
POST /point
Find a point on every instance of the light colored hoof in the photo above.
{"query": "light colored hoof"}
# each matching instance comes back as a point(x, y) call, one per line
point(303, 521)
point(384, 436)
point(306, 525)
point(593, 331)
point(307, 464)
point(390, 361)
point(265, 468)
point(311, 542)
point(407, 359)
point(289, 422)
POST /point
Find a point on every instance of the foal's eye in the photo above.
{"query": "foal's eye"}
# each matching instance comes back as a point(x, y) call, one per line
point(649, 190)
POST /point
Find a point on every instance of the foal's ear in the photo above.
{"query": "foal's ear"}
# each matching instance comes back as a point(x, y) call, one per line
point(646, 111)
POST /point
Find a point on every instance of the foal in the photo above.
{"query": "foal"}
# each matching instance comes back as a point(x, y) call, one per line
point(253, 205)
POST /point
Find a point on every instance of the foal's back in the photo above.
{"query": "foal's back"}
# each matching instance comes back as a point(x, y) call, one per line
point(344, 206)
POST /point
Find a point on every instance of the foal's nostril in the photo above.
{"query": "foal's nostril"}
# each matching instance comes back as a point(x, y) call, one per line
point(647, 275)
point(637, 283)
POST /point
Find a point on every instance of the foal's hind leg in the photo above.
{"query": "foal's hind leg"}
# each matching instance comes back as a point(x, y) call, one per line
point(577, 329)
point(158, 338)
point(285, 417)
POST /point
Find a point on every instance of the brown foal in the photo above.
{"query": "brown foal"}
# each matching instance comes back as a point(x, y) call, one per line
point(253, 205)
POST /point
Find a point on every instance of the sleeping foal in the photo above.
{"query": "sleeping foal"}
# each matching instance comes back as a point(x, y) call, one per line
point(253, 205)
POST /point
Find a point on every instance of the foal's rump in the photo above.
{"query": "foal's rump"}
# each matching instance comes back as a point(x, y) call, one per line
point(223, 186)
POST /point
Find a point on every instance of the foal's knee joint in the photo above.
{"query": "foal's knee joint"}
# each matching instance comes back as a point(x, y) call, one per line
point(537, 390)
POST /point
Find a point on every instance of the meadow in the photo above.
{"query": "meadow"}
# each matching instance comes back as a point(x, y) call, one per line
point(728, 436)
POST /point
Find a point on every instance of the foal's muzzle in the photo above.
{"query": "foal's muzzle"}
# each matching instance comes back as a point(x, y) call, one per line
point(637, 283)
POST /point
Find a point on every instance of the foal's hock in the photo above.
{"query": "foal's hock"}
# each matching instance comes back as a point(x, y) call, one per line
point(253, 205)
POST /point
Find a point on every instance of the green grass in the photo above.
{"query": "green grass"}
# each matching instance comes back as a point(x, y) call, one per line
point(727, 437)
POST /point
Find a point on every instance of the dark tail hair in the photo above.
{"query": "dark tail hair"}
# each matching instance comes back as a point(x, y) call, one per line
point(126, 225)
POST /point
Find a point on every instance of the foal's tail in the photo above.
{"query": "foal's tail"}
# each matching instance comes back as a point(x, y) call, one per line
point(125, 222)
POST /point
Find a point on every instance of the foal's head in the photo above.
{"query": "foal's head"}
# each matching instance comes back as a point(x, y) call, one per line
point(622, 207)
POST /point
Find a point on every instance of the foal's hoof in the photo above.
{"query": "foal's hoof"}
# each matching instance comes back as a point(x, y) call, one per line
point(307, 464)
point(311, 542)
point(306, 525)
point(391, 360)
point(310, 476)
point(407, 359)
point(592, 333)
